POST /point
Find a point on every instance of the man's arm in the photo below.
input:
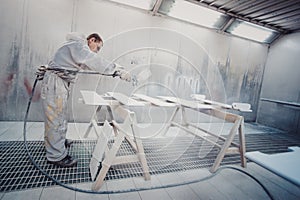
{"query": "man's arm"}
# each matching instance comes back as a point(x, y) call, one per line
point(87, 59)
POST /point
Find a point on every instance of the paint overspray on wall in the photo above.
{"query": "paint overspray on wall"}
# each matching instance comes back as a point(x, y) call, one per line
point(179, 65)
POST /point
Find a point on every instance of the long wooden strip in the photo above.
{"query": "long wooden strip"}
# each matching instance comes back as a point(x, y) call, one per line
point(201, 98)
point(123, 99)
point(154, 101)
point(187, 103)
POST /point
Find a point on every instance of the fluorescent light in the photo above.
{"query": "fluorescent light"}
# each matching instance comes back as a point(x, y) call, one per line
point(193, 13)
point(143, 4)
point(252, 31)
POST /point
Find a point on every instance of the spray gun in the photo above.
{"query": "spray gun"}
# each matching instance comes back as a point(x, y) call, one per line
point(136, 78)
point(69, 74)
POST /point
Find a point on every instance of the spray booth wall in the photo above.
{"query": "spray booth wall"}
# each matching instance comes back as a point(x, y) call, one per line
point(184, 59)
point(281, 86)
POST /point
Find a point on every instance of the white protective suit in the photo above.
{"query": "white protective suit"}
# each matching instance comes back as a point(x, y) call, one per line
point(73, 54)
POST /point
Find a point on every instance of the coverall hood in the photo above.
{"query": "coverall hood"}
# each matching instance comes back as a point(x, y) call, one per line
point(74, 36)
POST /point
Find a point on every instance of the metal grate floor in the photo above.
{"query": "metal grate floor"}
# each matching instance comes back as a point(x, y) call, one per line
point(163, 155)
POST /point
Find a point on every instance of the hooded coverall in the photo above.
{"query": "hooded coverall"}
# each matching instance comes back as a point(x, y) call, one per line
point(73, 54)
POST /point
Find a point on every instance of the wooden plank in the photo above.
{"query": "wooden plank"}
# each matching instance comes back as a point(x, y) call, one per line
point(243, 107)
point(154, 101)
point(222, 105)
point(125, 99)
point(202, 99)
point(187, 103)
point(92, 98)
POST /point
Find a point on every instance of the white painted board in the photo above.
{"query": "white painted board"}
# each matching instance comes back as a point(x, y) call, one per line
point(284, 164)
point(94, 165)
point(154, 101)
point(123, 99)
point(98, 153)
point(201, 98)
point(243, 107)
point(92, 98)
point(186, 103)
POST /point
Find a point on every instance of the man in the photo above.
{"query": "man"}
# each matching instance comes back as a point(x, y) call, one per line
point(76, 53)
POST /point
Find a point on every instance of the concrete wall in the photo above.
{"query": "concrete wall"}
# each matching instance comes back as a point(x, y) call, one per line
point(281, 82)
point(183, 58)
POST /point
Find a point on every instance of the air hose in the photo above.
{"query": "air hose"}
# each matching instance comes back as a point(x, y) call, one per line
point(127, 190)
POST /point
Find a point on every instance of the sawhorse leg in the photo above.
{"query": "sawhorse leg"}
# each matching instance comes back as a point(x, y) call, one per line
point(169, 123)
point(227, 143)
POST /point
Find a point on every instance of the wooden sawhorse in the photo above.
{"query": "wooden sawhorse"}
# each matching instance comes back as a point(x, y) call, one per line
point(108, 156)
point(210, 110)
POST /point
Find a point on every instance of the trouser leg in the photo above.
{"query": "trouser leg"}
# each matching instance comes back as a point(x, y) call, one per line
point(55, 94)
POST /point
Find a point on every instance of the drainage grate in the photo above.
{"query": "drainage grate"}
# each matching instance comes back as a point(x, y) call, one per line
point(163, 155)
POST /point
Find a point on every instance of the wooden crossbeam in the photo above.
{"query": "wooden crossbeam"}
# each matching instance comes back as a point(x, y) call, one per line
point(196, 134)
point(212, 134)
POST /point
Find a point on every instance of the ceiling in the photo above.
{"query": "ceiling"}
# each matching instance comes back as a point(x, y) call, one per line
point(280, 15)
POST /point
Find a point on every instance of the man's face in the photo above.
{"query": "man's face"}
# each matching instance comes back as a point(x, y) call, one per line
point(94, 45)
